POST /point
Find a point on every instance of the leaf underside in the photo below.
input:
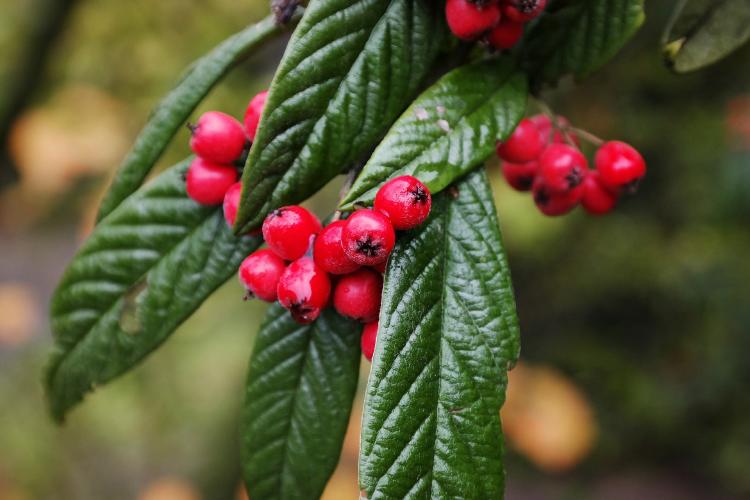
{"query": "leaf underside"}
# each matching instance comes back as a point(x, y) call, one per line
point(448, 334)
point(349, 70)
point(146, 267)
point(578, 36)
point(449, 129)
point(300, 389)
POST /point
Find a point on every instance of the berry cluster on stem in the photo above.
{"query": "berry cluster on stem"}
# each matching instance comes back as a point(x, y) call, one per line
point(498, 23)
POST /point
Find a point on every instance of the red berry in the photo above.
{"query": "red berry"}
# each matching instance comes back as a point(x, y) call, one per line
point(522, 11)
point(260, 273)
point(369, 336)
point(405, 201)
point(328, 251)
point(467, 20)
point(544, 124)
point(357, 295)
point(368, 237)
point(524, 144)
point(520, 176)
point(253, 112)
point(287, 231)
point(217, 137)
point(597, 200)
point(207, 182)
point(505, 35)
point(562, 167)
point(620, 166)
point(551, 203)
point(304, 289)
point(232, 202)
point(380, 267)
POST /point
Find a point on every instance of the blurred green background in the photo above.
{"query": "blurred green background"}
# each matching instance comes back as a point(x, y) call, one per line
point(634, 374)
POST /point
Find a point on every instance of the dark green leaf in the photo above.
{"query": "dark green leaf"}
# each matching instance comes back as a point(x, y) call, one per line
point(147, 266)
point(448, 334)
point(170, 114)
point(448, 130)
point(577, 36)
point(350, 69)
point(705, 31)
point(300, 389)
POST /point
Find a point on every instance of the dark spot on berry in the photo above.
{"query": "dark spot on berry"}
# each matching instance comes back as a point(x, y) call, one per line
point(527, 6)
point(419, 195)
point(278, 212)
point(574, 178)
point(525, 182)
point(301, 311)
point(368, 247)
point(542, 197)
point(248, 295)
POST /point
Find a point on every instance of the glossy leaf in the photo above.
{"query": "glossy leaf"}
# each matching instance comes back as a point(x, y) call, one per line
point(706, 31)
point(350, 69)
point(577, 36)
point(175, 108)
point(448, 130)
point(300, 389)
point(146, 267)
point(448, 334)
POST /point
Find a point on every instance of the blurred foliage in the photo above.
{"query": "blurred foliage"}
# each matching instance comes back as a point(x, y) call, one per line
point(638, 320)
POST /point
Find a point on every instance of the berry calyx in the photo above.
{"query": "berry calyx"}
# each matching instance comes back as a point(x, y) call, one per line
point(505, 35)
point(328, 251)
point(217, 137)
point(304, 289)
point(253, 112)
point(368, 237)
point(287, 231)
point(524, 144)
point(520, 176)
point(232, 203)
point(207, 182)
point(405, 200)
point(522, 11)
point(620, 166)
point(369, 337)
point(260, 273)
point(551, 203)
point(562, 168)
point(597, 199)
point(468, 20)
point(357, 295)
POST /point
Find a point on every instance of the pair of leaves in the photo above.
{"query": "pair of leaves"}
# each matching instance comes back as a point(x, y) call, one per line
point(448, 130)
point(704, 31)
point(448, 333)
point(170, 114)
point(349, 70)
point(577, 36)
point(147, 266)
point(300, 389)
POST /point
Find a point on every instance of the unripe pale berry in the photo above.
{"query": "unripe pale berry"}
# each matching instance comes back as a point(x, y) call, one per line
point(520, 176)
point(260, 273)
point(357, 295)
point(405, 200)
point(551, 203)
point(304, 289)
point(562, 167)
point(287, 231)
point(524, 144)
point(597, 199)
point(217, 137)
point(207, 182)
point(369, 337)
point(368, 237)
point(253, 112)
point(522, 11)
point(505, 35)
point(328, 251)
point(620, 166)
point(467, 20)
point(232, 203)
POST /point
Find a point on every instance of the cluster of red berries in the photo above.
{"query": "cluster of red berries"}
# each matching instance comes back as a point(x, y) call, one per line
point(544, 158)
point(220, 143)
point(307, 266)
point(498, 22)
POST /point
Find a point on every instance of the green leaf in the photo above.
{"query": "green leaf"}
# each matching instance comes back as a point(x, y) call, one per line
point(448, 334)
point(147, 266)
point(577, 36)
point(170, 114)
point(300, 389)
point(350, 69)
point(705, 31)
point(448, 130)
